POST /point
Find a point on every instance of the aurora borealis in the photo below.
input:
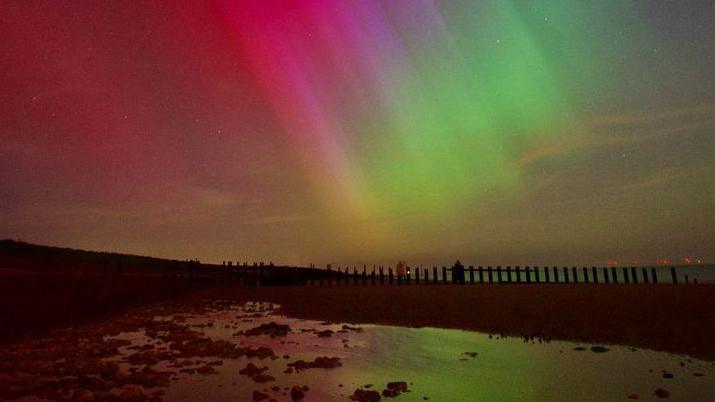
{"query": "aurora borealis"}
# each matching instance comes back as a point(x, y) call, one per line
point(498, 131)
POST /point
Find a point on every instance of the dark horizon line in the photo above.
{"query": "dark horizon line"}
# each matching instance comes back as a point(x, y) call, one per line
point(10, 242)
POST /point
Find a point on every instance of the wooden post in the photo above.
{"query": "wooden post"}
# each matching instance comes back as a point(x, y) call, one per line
point(355, 276)
point(634, 275)
point(556, 274)
point(409, 275)
point(417, 276)
point(594, 274)
point(547, 279)
point(537, 277)
point(566, 275)
point(687, 281)
point(382, 276)
point(606, 278)
point(528, 274)
point(614, 273)
point(444, 274)
point(585, 274)
point(390, 275)
point(654, 275)
point(372, 276)
point(364, 275)
point(625, 275)
point(645, 274)
point(399, 278)
point(471, 274)
point(426, 276)
point(518, 274)
point(489, 274)
point(435, 278)
point(575, 274)
point(674, 275)
point(481, 275)
point(508, 274)
point(499, 274)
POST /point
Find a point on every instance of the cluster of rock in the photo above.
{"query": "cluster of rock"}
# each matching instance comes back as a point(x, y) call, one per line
point(296, 393)
point(272, 329)
point(81, 364)
point(255, 373)
point(392, 389)
point(324, 362)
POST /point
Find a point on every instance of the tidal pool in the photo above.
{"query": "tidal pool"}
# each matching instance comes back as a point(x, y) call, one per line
point(437, 364)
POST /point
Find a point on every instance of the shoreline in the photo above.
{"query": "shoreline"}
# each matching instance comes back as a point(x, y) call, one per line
point(674, 319)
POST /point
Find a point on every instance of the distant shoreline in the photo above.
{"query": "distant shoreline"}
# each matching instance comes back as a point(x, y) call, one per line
point(42, 288)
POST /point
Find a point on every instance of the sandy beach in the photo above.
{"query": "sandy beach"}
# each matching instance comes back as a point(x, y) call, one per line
point(678, 319)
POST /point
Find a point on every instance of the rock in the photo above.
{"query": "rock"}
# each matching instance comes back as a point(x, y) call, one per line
point(261, 378)
point(319, 362)
point(667, 375)
point(259, 396)
point(633, 396)
point(256, 373)
point(297, 393)
point(252, 370)
point(272, 329)
point(394, 389)
point(325, 333)
point(662, 393)
point(82, 395)
point(400, 386)
point(599, 349)
point(471, 354)
point(131, 394)
point(362, 395)
point(261, 353)
point(206, 369)
point(148, 377)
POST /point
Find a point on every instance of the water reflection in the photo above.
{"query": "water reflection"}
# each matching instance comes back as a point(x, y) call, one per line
point(433, 362)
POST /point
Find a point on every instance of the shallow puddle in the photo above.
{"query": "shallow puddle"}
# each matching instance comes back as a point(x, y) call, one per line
point(436, 364)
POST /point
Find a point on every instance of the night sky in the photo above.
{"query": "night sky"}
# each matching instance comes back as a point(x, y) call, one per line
point(495, 131)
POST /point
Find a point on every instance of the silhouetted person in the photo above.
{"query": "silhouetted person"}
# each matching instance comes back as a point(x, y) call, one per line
point(458, 272)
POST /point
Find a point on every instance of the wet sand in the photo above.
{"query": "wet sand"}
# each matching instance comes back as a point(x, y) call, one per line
point(197, 349)
point(32, 304)
point(677, 319)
